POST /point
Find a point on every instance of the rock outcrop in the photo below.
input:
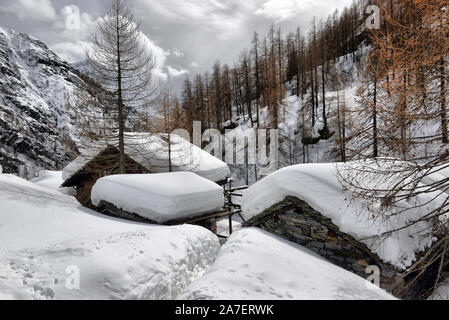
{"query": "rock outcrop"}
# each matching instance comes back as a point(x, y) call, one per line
point(35, 132)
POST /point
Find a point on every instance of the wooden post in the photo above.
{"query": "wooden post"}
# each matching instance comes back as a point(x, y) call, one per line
point(230, 224)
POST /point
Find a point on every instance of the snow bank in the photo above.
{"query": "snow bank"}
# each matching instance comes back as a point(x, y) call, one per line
point(53, 180)
point(160, 197)
point(151, 151)
point(47, 238)
point(256, 265)
point(319, 186)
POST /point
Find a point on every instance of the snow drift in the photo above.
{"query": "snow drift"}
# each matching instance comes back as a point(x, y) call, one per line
point(53, 180)
point(256, 265)
point(47, 238)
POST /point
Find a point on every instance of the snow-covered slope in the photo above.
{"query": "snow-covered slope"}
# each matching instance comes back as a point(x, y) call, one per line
point(256, 265)
point(47, 239)
point(53, 180)
point(34, 130)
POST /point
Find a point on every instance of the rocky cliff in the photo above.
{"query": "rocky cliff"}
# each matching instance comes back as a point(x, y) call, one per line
point(35, 132)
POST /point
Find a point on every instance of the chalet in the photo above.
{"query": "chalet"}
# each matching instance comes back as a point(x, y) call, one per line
point(144, 154)
point(306, 204)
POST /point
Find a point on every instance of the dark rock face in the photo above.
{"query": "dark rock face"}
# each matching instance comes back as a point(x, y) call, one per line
point(34, 126)
point(294, 220)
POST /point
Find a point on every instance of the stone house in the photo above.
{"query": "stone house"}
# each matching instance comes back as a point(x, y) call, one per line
point(294, 220)
point(144, 154)
point(307, 204)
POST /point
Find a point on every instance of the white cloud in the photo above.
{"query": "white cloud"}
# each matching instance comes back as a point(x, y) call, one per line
point(71, 31)
point(72, 24)
point(160, 56)
point(283, 9)
point(175, 72)
point(212, 15)
point(74, 41)
point(177, 53)
point(38, 10)
point(211, 29)
point(71, 51)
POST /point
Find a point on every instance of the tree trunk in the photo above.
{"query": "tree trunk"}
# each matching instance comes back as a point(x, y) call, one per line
point(121, 120)
point(443, 101)
point(375, 140)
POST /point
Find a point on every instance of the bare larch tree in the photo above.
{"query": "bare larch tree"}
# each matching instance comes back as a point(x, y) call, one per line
point(121, 65)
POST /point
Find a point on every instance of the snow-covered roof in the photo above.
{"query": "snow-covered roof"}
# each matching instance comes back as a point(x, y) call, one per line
point(152, 152)
point(319, 186)
point(160, 197)
point(256, 265)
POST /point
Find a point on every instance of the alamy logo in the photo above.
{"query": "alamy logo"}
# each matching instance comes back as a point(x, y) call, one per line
point(72, 282)
point(374, 272)
point(373, 20)
point(72, 17)
point(239, 147)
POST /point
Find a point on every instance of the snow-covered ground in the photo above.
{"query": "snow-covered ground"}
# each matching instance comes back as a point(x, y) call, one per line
point(53, 180)
point(320, 187)
point(47, 240)
point(442, 292)
point(254, 264)
point(160, 197)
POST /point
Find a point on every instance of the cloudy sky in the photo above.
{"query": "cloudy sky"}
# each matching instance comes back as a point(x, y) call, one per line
point(187, 36)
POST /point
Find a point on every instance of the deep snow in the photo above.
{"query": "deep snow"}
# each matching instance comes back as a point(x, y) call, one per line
point(47, 237)
point(254, 264)
point(52, 180)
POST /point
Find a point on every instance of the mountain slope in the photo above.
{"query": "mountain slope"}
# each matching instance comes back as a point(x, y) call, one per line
point(34, 129)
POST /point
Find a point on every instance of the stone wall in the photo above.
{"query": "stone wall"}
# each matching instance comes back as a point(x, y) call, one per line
point(296, 221)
